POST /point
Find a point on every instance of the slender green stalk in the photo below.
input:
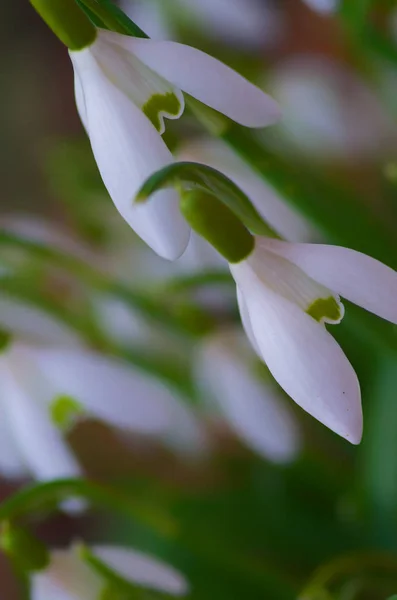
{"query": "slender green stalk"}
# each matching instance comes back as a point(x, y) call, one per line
point(67, 21)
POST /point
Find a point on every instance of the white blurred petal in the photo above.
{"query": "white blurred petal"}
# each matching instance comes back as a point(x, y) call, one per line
point(329, 113)
point(255, 411)
point(12, 464)
point(207, 79)
point(30, 323)
point(355, 276)
point(45, 452)
point(322, 6)
point(303, 358)
point(66, 578)
point(127, 149)
point(186, 434)
point(108, 389)
point(142, 569)
point(246, 22)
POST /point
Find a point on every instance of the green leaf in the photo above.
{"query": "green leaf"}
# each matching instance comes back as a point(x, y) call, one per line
point(112, 17)
point(45, 497)
point(117, 587)
point(379, 468)
point(195, 176)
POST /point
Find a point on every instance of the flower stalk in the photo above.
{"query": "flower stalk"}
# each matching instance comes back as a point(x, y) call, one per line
point(67, 21)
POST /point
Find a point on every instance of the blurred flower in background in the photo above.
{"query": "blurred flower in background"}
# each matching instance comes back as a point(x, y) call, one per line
point(131, 375)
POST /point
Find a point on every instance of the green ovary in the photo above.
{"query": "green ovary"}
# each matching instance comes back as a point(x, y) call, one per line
point(65, 411)
point(325, 309)
point(161, 104)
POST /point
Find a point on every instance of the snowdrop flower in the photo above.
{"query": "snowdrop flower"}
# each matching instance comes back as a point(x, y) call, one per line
point(328, 111)
point(68, 577)
point(323, 6)
point(286, 294)
point(47, 383)
point(288, 223)
point(255, 409)
point(125, 88)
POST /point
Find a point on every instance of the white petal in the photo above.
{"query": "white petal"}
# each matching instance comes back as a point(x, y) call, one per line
point(30, 323)
point(108, 389)
point(127, 149)
point(41, 444)
point(80, 99)
point(256, 412)
point(142, 569)
point(150, 92)
point(66, 578)
point(205, 78)
point(304, 359)
point(355, 276)
point(322, 6)
point(186, 434)
point(292, 283)
point(246, 320)
point(12, 464)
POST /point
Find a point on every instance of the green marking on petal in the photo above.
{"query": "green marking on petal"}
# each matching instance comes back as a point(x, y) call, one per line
point(65, 411)
point(326, 310)
point(162, 105)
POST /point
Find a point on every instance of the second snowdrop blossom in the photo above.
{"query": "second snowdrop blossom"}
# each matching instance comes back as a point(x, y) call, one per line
point(287, 293)
point(252, 405)
point(48, 382)
point(125, 88)
point(69, 577)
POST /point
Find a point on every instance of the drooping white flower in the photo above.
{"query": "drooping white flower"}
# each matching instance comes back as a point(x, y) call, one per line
point(286, 293)
point(48, 382)
point(329, 113)
point(254, 408)
point(68, 577)
point(125, 88)
point(287, 222)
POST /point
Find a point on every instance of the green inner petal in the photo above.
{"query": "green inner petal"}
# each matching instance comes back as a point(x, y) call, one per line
point(325, 310)
point(160, 105)
point(65, 411)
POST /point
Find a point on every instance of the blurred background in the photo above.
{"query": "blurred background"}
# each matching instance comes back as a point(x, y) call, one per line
point(249, 497)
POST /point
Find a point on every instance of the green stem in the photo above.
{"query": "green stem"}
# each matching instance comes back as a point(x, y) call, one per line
point(67, 21)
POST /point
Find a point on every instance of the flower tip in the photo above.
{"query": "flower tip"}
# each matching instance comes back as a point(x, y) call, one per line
point(270, 114)
point(354, 433)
